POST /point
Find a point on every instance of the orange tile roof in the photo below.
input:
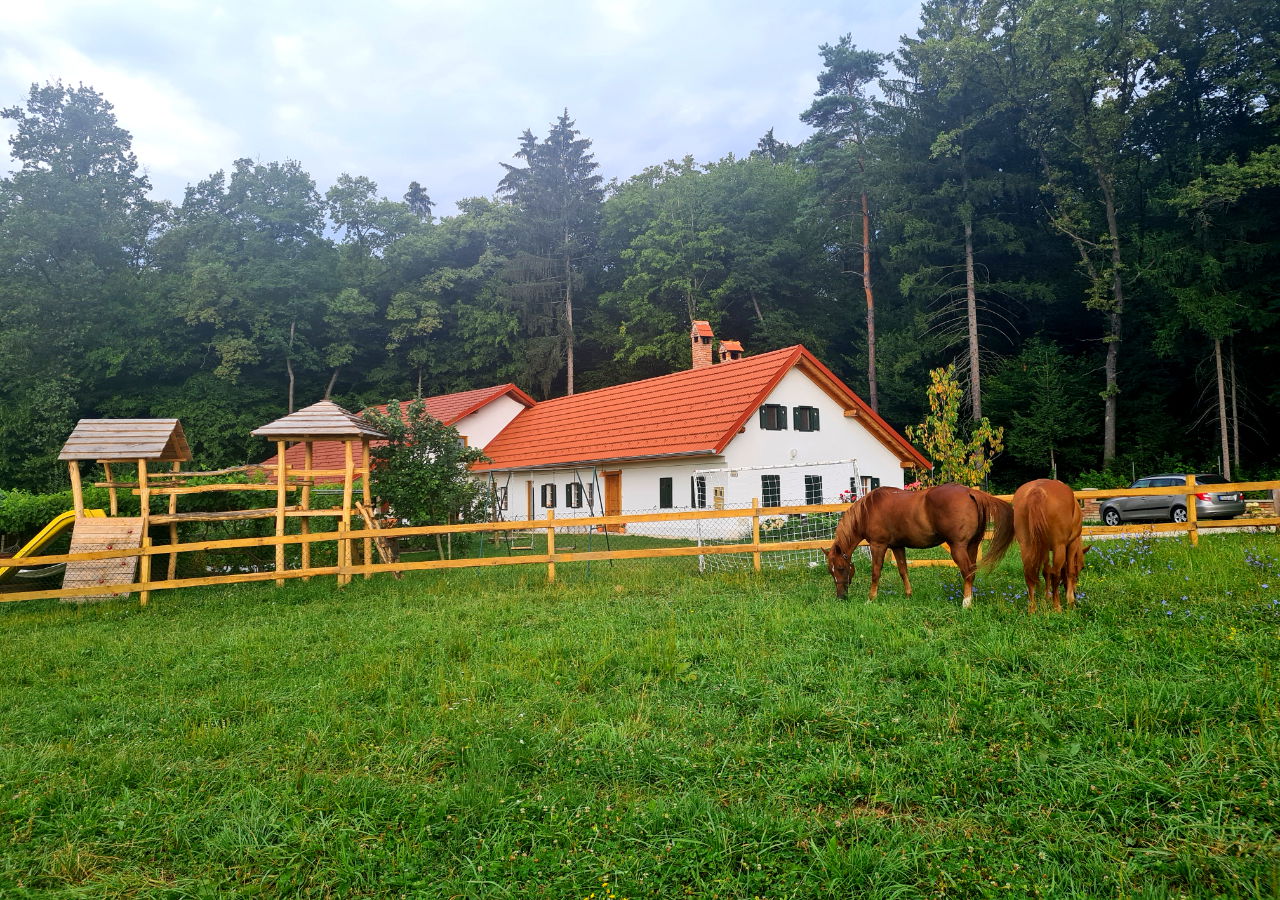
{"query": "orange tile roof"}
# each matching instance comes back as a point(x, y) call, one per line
point(448, 408)
point(689, 413)
point(702, 328)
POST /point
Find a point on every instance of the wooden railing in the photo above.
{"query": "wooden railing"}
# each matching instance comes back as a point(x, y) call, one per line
point(346, 538)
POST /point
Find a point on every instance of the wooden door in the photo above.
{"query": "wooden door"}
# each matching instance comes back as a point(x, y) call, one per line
point(613, 499)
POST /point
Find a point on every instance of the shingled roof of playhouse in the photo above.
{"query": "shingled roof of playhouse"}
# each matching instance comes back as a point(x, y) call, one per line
point(696, 412)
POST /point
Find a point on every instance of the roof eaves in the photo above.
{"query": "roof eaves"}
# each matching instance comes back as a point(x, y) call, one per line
point(578, 463)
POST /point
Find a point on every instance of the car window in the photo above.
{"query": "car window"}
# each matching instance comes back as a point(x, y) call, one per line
point(1210, 479)
point(1168, 482)
point(1141, 483)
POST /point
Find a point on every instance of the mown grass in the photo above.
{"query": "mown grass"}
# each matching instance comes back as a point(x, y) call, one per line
point(643, 731)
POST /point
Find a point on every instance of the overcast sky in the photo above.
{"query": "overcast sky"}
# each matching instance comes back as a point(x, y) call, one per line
point(436, 91)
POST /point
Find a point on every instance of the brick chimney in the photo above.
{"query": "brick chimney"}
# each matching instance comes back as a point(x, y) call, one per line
point(729, 351)
point(700, 337)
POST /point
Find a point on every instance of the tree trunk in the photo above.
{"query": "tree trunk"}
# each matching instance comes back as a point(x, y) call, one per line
point(288, 364)
point(1114, 324)
point(756, 305)
point(1235, 409)
point(872, 389)
point(333, 379)
point(568, 320)
point(1222, 409)
point(971, 298)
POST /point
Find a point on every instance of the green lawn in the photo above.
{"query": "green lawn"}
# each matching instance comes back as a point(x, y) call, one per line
point(643, 731)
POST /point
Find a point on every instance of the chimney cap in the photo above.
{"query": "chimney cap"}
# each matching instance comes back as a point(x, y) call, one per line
point(702, 328)
point(731, 345)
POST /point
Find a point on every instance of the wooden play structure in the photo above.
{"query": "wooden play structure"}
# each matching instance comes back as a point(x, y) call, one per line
point(323, 421)
point(108, 442)
point(143, 443)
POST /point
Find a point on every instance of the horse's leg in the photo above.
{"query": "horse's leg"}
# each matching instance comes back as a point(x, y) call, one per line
point(1074, 561)
point(877, 562)
point(963, 558)
point(1031, 574)
point(1055, 575)
point(900, 556)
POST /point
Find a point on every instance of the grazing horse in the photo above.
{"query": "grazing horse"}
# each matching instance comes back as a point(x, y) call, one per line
point(893, 519)
point(1046, 519)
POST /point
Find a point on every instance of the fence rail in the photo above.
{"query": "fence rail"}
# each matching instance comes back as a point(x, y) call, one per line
point(347, 539)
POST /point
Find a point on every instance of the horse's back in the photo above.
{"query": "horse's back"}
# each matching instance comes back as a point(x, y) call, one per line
point(1049, 506)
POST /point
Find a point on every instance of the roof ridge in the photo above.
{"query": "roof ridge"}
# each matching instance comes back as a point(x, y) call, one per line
point(737, 365)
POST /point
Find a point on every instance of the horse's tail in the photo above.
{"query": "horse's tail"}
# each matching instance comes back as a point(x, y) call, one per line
point(1035, 537)
point(1001, 513)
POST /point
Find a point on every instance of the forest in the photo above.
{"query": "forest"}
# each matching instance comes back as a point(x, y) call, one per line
point(1077, 204)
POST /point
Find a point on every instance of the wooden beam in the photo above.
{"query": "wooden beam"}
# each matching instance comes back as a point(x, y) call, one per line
point(77, 489)
point(282, 493)
point(309, 449)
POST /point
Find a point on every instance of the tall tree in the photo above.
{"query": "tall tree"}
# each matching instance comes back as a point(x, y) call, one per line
point(1079, 84)
point(845, 118)
point(74, 226)
point(958, 183)
point(558, 194)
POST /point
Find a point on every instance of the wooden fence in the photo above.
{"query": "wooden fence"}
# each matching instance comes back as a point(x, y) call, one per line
point(349, 566)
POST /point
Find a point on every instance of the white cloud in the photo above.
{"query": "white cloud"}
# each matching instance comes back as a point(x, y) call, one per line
point(438, 92)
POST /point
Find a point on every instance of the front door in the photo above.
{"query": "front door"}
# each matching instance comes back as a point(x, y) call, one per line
point(613, 499)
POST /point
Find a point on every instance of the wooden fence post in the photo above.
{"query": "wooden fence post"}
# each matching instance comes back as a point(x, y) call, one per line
point(755, 533)
point(551, 546)
point(144, 595)
point(1192, 530)
point(344, 552)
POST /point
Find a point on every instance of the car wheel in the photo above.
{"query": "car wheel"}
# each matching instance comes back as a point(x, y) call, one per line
point(1179, 514)
point(1111, 517)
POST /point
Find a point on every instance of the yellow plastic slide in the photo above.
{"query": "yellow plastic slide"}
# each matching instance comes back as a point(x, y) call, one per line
point(48, 533)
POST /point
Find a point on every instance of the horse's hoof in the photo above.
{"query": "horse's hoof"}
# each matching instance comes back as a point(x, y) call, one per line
point(967, 603)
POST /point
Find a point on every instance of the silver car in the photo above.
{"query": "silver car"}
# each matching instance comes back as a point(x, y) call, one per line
point(1209, 504)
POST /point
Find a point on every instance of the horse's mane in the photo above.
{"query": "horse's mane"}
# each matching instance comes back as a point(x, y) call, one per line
point(850, 530)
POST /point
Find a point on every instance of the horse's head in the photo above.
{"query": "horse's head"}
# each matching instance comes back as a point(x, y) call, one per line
point(840, 565)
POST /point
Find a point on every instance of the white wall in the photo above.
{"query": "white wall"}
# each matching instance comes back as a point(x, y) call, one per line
point(838, 438)
point(483, 425)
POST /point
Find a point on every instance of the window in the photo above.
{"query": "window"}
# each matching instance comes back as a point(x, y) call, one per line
point(573, 495)
point(666, 499)
point(548, 496)
point(806, 418)
point(771, 490)
point(773, 417)
point(869, 483)
point(812, 489)
point(698, 492)
point(591, 495)
point(500, 497)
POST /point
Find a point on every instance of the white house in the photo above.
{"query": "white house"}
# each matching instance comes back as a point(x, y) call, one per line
point(779, 428)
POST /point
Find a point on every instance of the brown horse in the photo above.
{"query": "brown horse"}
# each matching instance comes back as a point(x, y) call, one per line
point(893, 519)
point(1046, 519)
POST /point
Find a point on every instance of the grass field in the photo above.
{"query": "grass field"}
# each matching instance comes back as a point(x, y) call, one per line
point(643, 731)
